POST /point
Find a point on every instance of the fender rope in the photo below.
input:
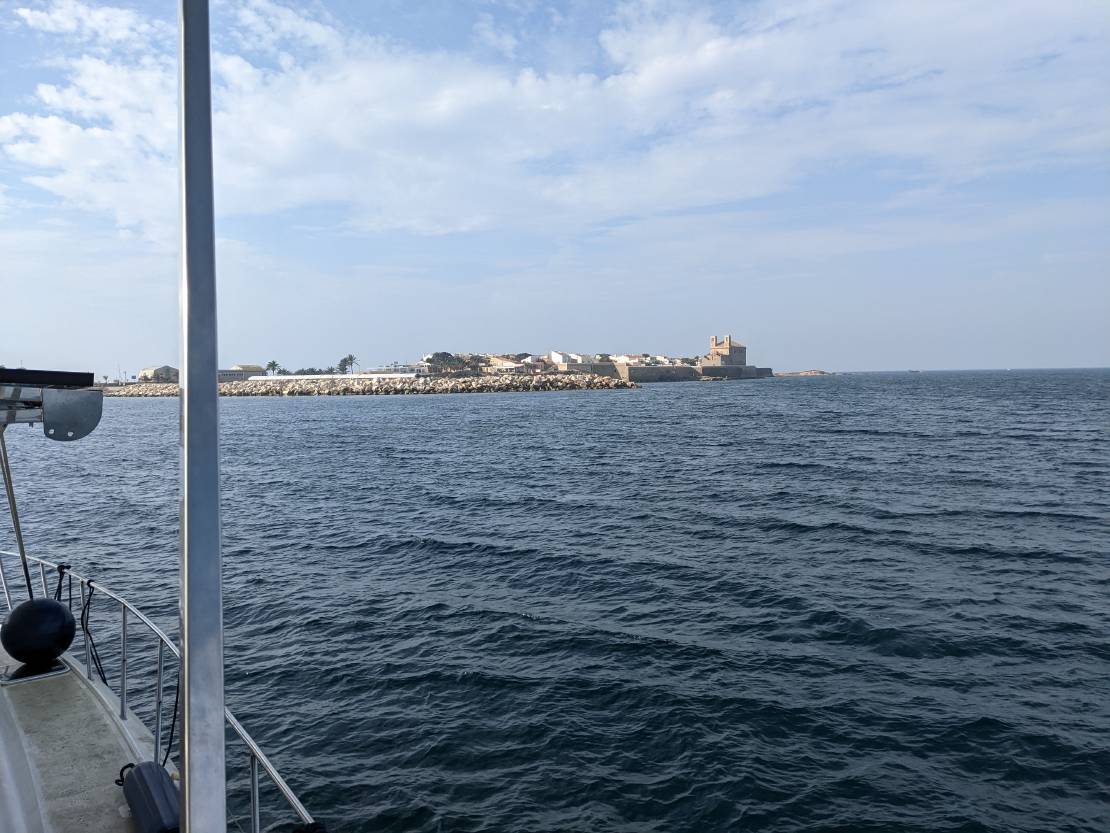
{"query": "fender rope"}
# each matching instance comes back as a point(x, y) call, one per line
point(94, 655)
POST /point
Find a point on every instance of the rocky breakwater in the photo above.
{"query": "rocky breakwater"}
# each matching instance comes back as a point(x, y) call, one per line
point(507, 383)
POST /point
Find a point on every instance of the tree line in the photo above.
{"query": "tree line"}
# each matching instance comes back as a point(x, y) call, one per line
point(347, 364)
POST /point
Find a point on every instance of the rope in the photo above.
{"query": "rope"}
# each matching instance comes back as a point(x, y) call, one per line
point(93, 653)
point(58, 590)
point(119, 781)
point(173, 720)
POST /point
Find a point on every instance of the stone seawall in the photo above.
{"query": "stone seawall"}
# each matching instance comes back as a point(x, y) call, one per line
point(733, 371)
point(507, 383)
point(658, 373)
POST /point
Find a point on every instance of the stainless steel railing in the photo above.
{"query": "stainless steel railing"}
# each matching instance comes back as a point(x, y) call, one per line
point(258, 759)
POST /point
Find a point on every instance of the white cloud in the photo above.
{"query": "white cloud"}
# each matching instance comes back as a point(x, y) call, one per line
point(694, 110)
point(266, 26)
point(105, 26)
point(106, 141)
point(498, 39)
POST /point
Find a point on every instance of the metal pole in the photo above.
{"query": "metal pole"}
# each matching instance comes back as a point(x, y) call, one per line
point(204, 782)
point(123, 662)
point(256, 812)
point(4, 582)
point(158, 702)
point(6, 470)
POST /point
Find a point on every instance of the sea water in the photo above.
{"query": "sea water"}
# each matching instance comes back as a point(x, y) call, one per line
point(866, 602)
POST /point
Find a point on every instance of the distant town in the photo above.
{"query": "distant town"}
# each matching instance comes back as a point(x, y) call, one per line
point(727, 359)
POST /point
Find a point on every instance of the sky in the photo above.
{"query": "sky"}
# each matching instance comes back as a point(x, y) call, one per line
point(840, 184)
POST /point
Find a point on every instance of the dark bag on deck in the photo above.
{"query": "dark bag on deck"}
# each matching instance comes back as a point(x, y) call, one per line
point(153, 798)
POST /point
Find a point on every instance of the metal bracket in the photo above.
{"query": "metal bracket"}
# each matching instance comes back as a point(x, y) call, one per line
point(66, 414)
point(69, 414)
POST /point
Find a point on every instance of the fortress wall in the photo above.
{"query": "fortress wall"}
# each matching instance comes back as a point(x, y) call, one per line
point(748, 371)
point(660, 373)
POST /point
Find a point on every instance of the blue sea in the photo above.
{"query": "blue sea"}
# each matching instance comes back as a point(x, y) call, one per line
point(865, 602)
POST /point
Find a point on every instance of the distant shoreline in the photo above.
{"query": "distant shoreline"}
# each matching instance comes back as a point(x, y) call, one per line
point(778, 373)
point(338, 386)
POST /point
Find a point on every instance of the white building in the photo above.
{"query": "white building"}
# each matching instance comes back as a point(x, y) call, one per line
point(163, 373)
point(240, 372)
point(557, 357)
point(503, 364)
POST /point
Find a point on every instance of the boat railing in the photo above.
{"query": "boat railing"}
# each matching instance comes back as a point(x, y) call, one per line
point(257, 761)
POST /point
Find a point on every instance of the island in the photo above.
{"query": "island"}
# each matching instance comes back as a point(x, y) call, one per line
point(444, 372)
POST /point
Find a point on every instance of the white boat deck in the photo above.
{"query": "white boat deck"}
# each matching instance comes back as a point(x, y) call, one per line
point(61, 748)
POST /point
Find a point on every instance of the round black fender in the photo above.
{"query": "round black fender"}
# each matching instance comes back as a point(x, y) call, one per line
point(38, 631)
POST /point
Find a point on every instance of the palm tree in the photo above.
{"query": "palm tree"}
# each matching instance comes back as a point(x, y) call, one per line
point(272, 367)
point(350, 359)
